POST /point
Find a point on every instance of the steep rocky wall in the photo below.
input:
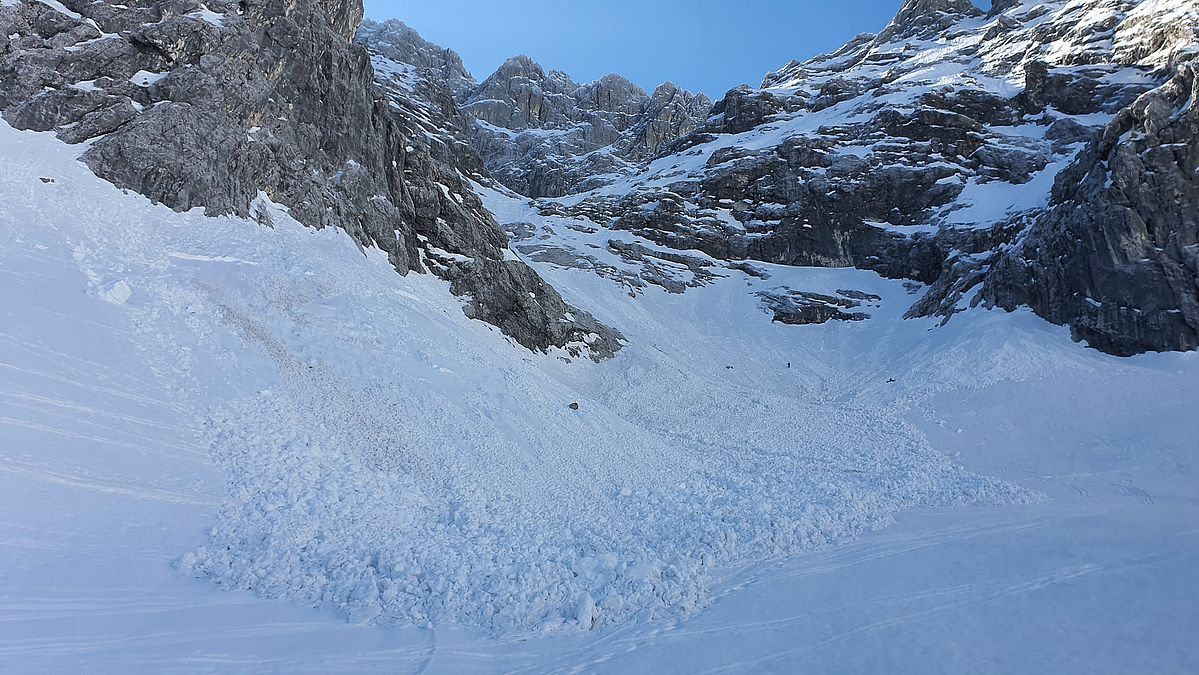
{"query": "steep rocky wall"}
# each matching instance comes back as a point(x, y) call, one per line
point(214, 105)
point(1116, 255)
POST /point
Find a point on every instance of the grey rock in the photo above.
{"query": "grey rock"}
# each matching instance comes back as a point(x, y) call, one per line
point(801, 308)
point(569, 258)
point(510, 295)
point(751, 270)
point(861, 296)
point(666, 275)
point(542, 134)
point(1078, 91)
point(920, 18)
point(670, 114)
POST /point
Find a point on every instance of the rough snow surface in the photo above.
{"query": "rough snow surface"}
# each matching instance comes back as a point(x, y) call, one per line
point(392, 460)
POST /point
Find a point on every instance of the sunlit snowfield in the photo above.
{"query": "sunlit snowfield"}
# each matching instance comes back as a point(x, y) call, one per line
point(229, 446)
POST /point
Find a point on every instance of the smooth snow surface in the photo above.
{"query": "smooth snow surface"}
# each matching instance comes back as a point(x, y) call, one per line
point(186, 400)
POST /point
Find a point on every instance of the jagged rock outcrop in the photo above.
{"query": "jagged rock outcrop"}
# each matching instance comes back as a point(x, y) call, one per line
point(801, 308)
point(396, 41)
point(670, 114)
point(422, 96)
point(942, 170)
point(225, 105)
point(928, 18)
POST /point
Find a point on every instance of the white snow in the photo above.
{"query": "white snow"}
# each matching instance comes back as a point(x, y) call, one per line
point(400, 74)
point(117, 292)
point(61, 8)
point(269, 409)
point(903, 229)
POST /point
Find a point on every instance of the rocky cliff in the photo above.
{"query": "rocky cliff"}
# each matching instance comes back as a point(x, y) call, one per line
point(234, 105)
point(397, 42)
point(1041, 154)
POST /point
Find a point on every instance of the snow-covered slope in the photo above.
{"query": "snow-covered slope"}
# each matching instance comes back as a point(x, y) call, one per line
point(357, 445)
point(409, 466)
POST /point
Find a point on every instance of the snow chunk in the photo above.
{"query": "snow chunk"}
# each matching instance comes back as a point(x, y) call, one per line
point(117, 292)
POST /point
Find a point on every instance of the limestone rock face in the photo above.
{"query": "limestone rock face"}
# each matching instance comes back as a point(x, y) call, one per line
point(224, 104)
point(923, 18)
point(670, 114)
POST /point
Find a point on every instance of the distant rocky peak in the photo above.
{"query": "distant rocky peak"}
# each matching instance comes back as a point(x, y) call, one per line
point(519, 66)
point(614, 81)
point(539, 132)
point(669, 95)
point(612, 93)
point(667, 90)
point(561, 81)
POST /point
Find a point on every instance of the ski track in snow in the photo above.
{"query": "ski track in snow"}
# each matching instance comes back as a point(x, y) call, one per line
point(275, 412)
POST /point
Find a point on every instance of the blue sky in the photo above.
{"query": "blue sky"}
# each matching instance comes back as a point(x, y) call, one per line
point(706, 45)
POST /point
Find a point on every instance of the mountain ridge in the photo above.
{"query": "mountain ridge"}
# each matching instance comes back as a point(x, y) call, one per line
point(540, 132)
point(928, 151)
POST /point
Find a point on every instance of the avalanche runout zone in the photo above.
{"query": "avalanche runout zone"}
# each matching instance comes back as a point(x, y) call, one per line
point(490, 507)
point(392, 460)
point(332, 507)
